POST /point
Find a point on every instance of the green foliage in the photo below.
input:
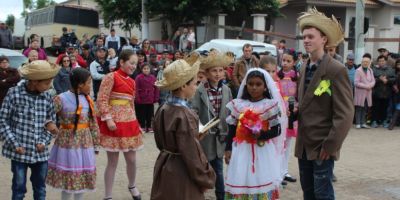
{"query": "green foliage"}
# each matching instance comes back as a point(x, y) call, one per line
point(186, 11)
point(31, 5)
point(128, 11)
point(10, 21)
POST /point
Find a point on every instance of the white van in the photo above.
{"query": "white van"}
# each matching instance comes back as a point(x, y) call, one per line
point(235, 46)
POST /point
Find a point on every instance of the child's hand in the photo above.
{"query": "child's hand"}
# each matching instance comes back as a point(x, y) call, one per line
point(52, 128)
point(111, 125)
point(40, 147)
point(228, 157)
point(20, 150)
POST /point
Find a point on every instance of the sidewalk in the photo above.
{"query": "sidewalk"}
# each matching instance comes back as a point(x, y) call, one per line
point(369, 169)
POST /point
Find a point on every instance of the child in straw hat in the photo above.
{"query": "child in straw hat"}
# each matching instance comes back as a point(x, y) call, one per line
point(181, 160)
point(26, 119)
point(208, 102)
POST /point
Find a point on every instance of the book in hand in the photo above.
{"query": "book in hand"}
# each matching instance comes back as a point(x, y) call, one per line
point(203, 129)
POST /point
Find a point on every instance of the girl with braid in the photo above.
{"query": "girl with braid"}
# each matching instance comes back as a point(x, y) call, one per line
point(72, 166)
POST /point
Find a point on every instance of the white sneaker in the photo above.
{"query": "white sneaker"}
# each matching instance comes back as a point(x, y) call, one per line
point(365, 126)
point(358, 126)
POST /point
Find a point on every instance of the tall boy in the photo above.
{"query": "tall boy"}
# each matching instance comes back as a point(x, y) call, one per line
point(26, 116)
point(209, 102)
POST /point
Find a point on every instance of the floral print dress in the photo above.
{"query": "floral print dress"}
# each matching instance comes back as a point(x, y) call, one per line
point(72, 163)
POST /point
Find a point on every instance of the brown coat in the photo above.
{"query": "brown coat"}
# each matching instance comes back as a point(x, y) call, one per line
point(240, 69)
point(8, 78)
point(181, 171)
point(325, 120)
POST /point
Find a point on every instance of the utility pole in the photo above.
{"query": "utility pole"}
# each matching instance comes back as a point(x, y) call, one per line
point(145, 21)
point(359, 35)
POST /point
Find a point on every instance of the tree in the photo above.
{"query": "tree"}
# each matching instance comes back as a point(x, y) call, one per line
point(31, 5)
point(44, 3)
point(10, 21)
point(178, 12)
point(128, 11)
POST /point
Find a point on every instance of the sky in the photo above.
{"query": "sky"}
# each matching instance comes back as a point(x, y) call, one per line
point(13, 7)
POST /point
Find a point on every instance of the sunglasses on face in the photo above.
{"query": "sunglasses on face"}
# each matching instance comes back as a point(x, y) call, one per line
point(66, 61)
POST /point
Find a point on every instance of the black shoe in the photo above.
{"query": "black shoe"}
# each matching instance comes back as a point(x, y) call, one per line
point(289, 178)
point(138, 197)
point(284, 183)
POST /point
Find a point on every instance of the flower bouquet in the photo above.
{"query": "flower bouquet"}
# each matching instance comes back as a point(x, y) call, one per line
point(252, 124)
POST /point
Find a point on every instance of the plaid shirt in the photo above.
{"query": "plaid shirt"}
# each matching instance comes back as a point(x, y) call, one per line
point(310, 70)
point(22, 124)
point(174, 100)
point(215, 96)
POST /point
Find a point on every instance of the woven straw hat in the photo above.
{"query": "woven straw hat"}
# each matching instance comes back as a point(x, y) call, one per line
point(179, 72)
point(39, 70)
point(329, 26)
point(216, 60)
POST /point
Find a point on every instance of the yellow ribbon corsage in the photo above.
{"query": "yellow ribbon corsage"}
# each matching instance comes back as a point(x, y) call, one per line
point(324, 86)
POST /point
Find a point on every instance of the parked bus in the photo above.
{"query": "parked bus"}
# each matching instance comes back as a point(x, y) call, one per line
point(48, 23)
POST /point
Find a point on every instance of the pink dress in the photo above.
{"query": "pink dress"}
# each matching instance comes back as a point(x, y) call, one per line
point(289, 89)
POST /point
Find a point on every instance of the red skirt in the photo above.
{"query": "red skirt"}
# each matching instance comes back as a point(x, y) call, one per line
point(124, 129)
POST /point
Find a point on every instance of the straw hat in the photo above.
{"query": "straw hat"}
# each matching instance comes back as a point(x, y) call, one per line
point(179, 72)
point(329, 26)
point(216, 60)
point(39, 70)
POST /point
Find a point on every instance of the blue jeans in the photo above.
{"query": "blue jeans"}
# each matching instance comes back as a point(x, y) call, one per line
point(218, 166)
point(316, 179)
point(38, 179)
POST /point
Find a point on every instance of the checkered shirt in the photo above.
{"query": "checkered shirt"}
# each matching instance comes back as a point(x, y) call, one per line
point(215, 96)
point(22, 120)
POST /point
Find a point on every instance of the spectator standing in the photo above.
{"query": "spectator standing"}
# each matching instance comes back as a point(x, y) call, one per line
point(36, 46)
point(113, 41)
point(112, 58)
point(184, 41)
point(74, 62)
point(99, 44)
point(98, 69)
point(86, 55)
point(147, 48)
point(244, 63)
point(33, 55)
point(364, 82)
point(382, 92)
point(191, 39)
point(147, 94)
point(176, 38)
point(351, 68)
point(67, 39)
point(154, 64)
point(9, 77)
point(177, 55)
point(385, 52)
point(5, 36)
point(72, 50)
point(61, 81)
point(163, 93)
point(135, 43)
point(332, 52)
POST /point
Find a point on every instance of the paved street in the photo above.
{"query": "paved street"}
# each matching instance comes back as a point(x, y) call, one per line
point(369, 169)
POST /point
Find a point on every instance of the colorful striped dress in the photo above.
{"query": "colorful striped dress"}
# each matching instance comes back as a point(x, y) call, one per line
point(72, 163)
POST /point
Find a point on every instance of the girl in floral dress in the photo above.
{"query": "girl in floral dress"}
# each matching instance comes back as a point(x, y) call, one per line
point(254, 149)
point(288, 88)
point(72, 166)
point(119, 128)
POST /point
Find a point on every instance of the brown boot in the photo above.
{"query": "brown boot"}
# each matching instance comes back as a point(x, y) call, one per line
point(395, 117)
